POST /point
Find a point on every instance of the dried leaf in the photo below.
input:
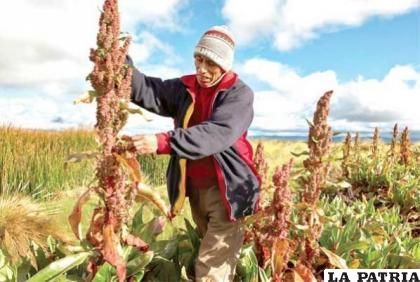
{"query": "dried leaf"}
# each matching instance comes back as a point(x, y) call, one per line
point(132, 165)
point(124, 107)
point(157, 225)
point(76, 215)
point(138, 111)
point(334, 259)
point(110, 252)
point(302, 206)
point(94, 234)
point(354, 263)
point(135, 241)
point(78, 157)
point(295, 277)
point(280, 250)
point(304, 273)
point(146, 193)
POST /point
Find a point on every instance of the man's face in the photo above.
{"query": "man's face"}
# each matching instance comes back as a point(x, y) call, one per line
point(207, 71)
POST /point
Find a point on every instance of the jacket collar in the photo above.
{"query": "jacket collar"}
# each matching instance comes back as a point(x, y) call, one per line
point(228, 80)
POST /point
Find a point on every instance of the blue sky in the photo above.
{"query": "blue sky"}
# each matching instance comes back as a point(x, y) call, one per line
point(289, 51)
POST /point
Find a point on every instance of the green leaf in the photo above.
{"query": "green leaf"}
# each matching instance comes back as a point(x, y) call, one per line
point(309, 122)
point(138, 219)
point(347, 247)
point(262, 275)
point(166, 248)
point(138, 277)
point(52, 244)
point(149, 231)
point(193, 235)
point(139, 263)
point(6, 274)
point(2, 259)
point(105, 273)
point(304, 153)
point(247, 267)
point(397, 261)
point(40, 257)
point(162, 270)
point(59, 267)
point(86, 97)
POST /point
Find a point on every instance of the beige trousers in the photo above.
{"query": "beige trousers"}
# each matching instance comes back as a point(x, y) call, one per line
point(221, 239)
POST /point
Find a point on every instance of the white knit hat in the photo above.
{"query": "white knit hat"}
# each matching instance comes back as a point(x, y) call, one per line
point(218, 45)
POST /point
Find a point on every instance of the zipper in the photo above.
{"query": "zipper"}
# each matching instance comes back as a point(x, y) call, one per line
point(182, 185)
point(213, 101)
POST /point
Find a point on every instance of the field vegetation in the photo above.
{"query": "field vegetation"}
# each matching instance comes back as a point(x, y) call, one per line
point(369, 206)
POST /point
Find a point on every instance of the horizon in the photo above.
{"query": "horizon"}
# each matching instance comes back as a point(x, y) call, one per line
point(285, 135)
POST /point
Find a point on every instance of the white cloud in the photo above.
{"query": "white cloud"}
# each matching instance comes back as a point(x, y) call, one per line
point(44, 56)
point(158, 13)
point(45, 41)
point(251, 18)
point(145, 44)
point(298, 90)
point(358, 104)
point(292, 22)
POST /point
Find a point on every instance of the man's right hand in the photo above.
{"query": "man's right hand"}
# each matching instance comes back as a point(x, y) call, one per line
point(145, 143)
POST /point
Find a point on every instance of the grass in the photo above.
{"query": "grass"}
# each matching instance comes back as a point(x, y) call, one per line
point(34, 159)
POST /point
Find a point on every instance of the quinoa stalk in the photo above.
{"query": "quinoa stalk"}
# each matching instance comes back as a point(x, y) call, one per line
point(375, 142)
point(261, 166)
point(346, 156)
point(405, 150)
point(319, 142)
point(270, 230)
point(394, 142)
point(117, 169)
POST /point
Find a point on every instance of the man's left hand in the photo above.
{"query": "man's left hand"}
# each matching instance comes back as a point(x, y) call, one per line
point(145, 143)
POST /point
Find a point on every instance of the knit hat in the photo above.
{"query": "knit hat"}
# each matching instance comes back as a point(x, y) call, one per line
point(218, 45)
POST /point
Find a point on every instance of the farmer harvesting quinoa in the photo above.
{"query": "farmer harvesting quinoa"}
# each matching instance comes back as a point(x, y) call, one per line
point(211, 159)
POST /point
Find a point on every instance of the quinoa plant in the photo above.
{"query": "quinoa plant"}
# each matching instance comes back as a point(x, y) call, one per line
point(394, 142)
point(282, 205)
point(319, 142)
point(346, 155)
point(405, 150)
point(356, 147)
point(261, 166)
point(375, 142)
point(269, 230)
point(119, 180)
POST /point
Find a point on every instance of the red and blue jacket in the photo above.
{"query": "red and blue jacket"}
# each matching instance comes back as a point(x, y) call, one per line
point(222, 136)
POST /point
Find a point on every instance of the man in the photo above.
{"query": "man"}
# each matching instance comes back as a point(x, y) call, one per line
point(211, 159)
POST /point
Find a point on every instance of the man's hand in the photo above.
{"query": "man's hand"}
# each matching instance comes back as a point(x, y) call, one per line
point(145, 144)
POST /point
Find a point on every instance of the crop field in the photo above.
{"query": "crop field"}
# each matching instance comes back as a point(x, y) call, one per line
point(368, 209)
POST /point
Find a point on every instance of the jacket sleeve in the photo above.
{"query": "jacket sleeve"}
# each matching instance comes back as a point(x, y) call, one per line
point(230, 119)
point(154, 94)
